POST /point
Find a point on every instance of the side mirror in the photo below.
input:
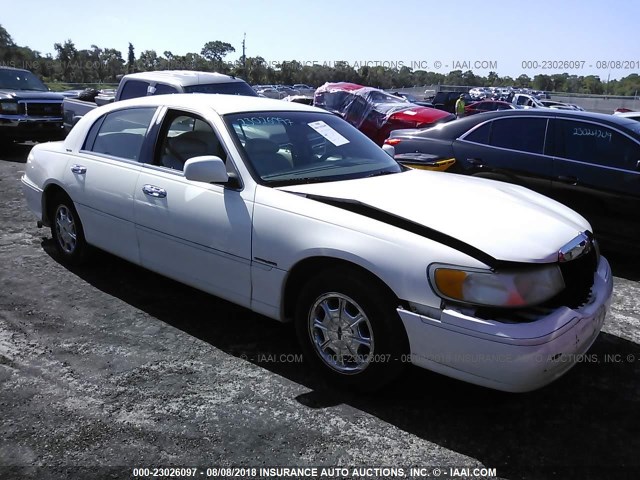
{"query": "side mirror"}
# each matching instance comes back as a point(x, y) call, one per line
point(208, 169)
point(389, 150)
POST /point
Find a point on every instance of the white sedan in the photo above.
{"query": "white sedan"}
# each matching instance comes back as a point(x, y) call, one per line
point(291, 212)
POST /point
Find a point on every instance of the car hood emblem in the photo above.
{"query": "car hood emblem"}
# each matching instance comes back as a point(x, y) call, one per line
point(575, 248)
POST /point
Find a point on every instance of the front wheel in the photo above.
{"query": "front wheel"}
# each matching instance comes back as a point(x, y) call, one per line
point(348, 328)
point(67, 232)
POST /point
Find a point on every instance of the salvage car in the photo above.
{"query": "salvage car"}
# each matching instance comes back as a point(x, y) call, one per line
point(375, 112)
point(588, 161)
point(292, 212)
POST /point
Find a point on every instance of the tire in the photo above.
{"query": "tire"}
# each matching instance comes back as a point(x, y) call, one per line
point(362, 355)
point(67, 231)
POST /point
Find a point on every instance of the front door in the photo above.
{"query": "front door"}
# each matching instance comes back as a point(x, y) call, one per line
point(194, 232)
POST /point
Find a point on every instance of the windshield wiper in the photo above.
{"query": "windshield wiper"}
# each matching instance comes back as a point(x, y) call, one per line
point(379, 173)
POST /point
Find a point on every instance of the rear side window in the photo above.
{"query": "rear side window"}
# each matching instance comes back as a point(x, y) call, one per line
point(121, 133)
point(522, 134)
point(595, 143)
point(163, 89)
point(134, 89)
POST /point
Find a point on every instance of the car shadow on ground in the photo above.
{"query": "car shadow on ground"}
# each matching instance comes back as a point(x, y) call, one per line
point(585, 425)
point(15, 152)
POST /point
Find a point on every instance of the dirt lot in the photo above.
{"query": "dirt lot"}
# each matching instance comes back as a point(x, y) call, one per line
point(113, 366)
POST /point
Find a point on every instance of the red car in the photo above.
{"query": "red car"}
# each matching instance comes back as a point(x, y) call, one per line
point(374, 112)
point(487, 106)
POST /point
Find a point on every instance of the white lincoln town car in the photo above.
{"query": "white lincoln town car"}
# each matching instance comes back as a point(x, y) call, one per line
point(293, 213)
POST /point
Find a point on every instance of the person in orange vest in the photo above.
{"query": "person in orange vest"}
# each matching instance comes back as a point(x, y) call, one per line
point(460, 106)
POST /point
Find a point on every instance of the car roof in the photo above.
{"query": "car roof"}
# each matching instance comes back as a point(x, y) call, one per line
point(2, 67)
point(184, 78)
point(628, 114)
point(219, 103)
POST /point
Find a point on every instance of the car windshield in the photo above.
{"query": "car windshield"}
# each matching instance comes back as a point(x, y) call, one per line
point(20, 80)
point(228, 88)
point(290, 148)
point(378, 97)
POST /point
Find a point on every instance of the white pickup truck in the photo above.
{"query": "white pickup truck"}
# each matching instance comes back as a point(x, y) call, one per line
point(157, 83)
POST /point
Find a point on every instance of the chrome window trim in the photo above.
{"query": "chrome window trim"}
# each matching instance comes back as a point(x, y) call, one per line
point(544, 145)
point(617, 169)
point(462, 139)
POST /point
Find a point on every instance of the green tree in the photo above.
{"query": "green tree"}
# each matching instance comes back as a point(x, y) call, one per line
point(542, 82)
point(131, 59)
point(523, 81)
point(493, 80)
point(67, 58)
point(215, 51)
point(148, 61)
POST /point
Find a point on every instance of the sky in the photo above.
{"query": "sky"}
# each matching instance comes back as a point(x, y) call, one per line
point(581, 37)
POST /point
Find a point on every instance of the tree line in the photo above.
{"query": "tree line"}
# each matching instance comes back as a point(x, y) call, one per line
point(96, 65)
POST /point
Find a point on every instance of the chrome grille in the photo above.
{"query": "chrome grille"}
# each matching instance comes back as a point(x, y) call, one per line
point(39, 109)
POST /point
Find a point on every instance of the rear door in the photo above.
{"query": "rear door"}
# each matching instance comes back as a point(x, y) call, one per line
point(102, 179)
point(596, 173)
point(510, 149)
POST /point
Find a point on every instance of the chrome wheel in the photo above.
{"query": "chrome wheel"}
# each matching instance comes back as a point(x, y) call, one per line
point(66, 229)
point(341, 333)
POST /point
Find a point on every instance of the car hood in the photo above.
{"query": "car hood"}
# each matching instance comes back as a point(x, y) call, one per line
point(507, 222)
point(29, 95)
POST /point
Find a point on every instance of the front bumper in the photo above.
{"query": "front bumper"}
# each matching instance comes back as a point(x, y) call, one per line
point(22, 128)
point(517, 357)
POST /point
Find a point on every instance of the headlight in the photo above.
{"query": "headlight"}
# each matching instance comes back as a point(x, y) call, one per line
point(9, 107)
point(497, 289)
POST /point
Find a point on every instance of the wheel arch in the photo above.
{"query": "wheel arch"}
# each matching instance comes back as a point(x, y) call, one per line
point(51, 191)
point(307, 267)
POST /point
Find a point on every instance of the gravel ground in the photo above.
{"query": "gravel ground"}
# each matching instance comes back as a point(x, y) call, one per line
point(113, 366)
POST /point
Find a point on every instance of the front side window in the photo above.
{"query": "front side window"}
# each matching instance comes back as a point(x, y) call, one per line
point(163, 89)
point(121, 133)
point(288, 148)
point(184, 136)
point(134, 89)
point(597, 144)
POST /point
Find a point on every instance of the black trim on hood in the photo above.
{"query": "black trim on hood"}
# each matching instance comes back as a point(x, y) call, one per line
point(413, 227)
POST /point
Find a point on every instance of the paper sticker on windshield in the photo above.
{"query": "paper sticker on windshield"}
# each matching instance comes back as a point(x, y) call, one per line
point(329, 133)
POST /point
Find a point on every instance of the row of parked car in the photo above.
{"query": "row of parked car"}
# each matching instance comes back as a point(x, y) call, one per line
point(588, 161)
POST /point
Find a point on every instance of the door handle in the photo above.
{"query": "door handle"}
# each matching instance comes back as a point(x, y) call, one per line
point(79, 169)
point(153, 191)
point(476, 162)
point(568, 179)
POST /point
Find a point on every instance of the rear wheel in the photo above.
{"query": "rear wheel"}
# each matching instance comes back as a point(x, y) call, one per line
point(66, 230)
point(349, 330)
